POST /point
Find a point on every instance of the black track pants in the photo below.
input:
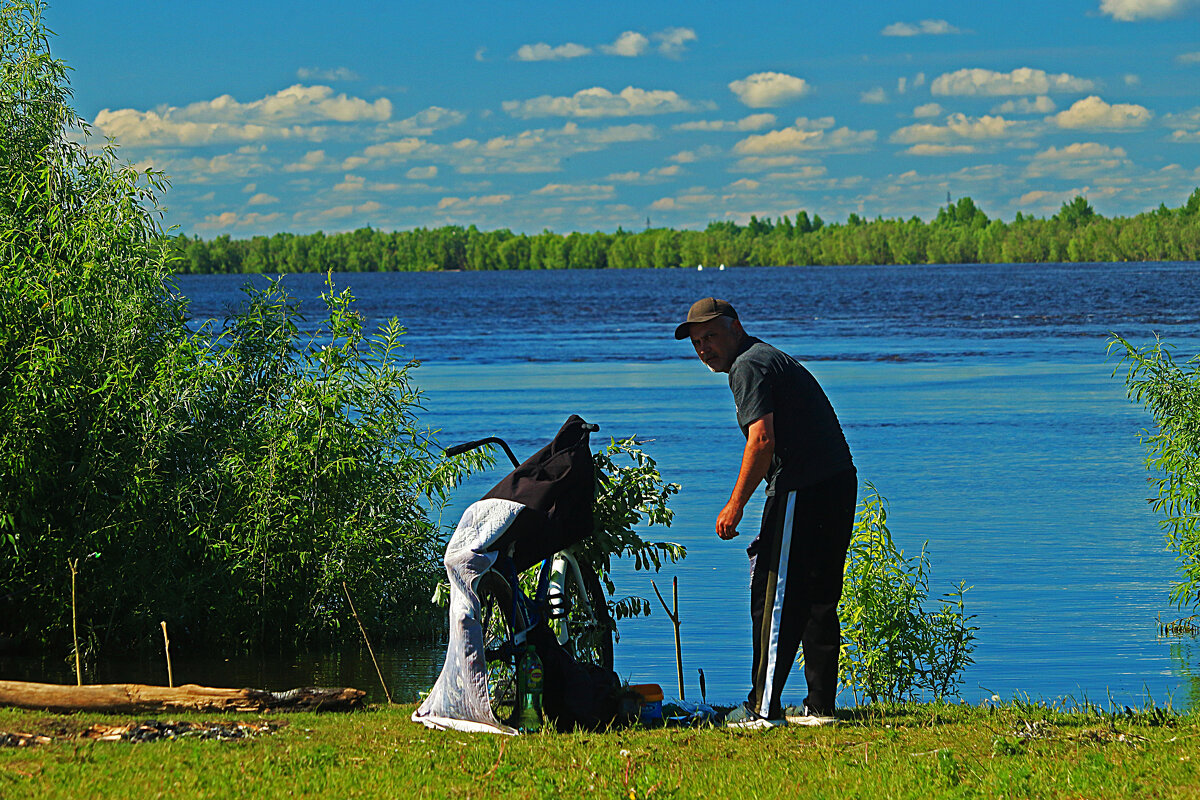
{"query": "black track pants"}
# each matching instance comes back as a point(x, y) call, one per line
point(796, 566)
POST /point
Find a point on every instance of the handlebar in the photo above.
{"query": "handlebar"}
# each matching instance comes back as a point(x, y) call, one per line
point(465, 446)
point(458, 449)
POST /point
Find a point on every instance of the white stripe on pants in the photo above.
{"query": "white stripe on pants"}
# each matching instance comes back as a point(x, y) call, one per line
point(785, 549)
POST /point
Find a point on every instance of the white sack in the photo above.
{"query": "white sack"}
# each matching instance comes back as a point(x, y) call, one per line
point(459, 699)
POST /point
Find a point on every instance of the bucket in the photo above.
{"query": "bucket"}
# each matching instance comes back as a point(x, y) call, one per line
point(652, 697)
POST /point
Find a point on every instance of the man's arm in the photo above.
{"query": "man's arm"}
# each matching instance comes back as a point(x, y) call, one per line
point(756, 459)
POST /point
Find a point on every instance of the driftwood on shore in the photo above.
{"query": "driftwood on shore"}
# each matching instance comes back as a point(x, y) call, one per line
point(133, 698)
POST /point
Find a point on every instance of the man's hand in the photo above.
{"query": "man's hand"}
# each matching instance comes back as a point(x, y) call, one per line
point(756, 458)
point(728, 519)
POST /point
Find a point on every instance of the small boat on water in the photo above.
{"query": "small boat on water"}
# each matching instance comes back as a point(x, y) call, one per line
point(700, 268)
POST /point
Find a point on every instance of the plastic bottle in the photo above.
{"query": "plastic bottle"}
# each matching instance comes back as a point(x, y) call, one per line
point(529, 691)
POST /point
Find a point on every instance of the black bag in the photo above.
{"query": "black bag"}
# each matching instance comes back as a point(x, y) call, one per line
point(575, 694)
point(557, 486)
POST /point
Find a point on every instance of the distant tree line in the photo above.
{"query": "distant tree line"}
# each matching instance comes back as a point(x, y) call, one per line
point(961, 233)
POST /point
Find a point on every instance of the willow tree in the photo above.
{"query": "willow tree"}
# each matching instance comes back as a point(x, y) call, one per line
point(226, 478)
point(1170, 391)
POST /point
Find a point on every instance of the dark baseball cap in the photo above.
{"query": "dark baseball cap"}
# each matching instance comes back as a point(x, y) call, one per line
point(705, 310)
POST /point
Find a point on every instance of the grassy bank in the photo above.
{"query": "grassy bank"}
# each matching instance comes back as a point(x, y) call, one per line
point(1015, 750)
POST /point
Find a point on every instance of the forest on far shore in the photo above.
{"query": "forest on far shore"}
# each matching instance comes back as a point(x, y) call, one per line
point(960, 234)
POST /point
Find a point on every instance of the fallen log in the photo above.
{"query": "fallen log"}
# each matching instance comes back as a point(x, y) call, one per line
point(133, 698)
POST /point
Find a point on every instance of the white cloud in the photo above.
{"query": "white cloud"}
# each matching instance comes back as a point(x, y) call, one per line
point(1132, 80)
point(1050, 202)
point(422, 173)
point(747, 184)
point(224, 167)
point(262, 199)
point(481, 54)
point(1186, 126)
point(764, 163)
point(754, 122)
point(692, 198)
point(1188, 58)
point(805, 134)
point(296, 103)
point(459, 204)
point(576, 191)
point(927, 110)
point(229, 220)
point(1024, 80)
point(250, 188)
point(673, 41)
point(647, 177)
point(398, 150)
point(1187, 120)
point(1023, 105)
point(1080, 150)
point(341, 212)
point(876, 95)
point(337, 74)
point(544, 52)
point(541, 149)
point(298, 112)
point(1079, 160)
point(356, 183)
point(423, 123)
point(941, 149)
point(802, 174)
point(958, 127)
point(928, 27)
point(629, 44)
point(1093, 113)
point(769, 89)
point(692, 156)
point(1132, 10)
point(600, 102)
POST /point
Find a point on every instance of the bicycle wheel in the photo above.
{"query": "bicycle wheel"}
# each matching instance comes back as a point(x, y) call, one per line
point(589, 624)
point(500, 655)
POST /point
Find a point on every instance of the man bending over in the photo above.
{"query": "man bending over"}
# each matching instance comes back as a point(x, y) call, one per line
point(795, 442)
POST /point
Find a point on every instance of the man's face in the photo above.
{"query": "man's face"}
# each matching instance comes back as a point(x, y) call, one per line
point(716, 342)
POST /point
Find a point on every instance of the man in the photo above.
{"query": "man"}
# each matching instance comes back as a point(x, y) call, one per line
point(795, 442)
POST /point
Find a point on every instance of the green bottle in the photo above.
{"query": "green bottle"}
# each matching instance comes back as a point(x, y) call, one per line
point(529, 691)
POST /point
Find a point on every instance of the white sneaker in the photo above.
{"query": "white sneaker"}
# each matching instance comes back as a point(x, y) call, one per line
point(742, 717)
point(803, 715)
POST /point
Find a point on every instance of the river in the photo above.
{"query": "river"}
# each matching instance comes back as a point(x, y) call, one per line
point(979, 400)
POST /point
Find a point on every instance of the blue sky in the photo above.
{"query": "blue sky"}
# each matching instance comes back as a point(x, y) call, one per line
point(303, 116)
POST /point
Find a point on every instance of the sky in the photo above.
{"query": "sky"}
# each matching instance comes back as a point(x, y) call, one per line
point(305, 116)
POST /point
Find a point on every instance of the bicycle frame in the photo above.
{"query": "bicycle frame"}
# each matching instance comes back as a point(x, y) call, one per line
point(550, 594)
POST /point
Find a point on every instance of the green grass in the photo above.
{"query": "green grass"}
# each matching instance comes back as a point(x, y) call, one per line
point(919, 751)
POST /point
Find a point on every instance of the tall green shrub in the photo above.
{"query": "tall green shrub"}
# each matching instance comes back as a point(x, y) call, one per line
point(895, 647)
point(226, 479)
point(1170, 391)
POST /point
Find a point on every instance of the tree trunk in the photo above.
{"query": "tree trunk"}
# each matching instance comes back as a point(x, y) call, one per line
point(133, 698)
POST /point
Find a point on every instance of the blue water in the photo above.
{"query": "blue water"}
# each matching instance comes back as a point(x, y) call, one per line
point(978, 399)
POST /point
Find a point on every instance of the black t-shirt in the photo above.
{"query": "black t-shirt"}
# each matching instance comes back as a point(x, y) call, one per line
point(809, 443)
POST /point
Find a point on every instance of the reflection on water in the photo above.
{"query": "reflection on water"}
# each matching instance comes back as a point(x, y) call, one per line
point(1186, 656)
point(407, 670)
